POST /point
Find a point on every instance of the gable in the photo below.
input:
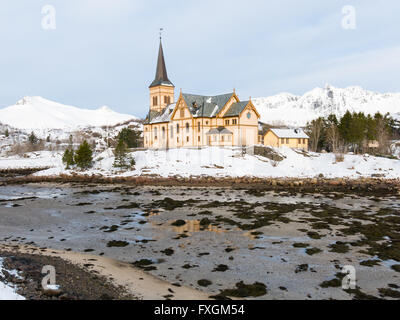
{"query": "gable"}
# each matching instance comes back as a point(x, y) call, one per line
point(233, 100)
point(181, 110)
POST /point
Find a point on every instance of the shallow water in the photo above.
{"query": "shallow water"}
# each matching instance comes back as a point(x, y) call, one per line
point(251, 234)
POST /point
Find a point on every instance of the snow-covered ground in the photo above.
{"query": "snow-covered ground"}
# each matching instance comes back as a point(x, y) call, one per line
point(8, 292)
point(221, 162)
point(37, 113)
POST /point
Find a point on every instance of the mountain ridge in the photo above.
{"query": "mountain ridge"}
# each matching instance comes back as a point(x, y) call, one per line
point(293, 110)
point(40, 113)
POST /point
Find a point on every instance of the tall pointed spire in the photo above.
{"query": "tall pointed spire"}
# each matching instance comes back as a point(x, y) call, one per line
point(161, 72)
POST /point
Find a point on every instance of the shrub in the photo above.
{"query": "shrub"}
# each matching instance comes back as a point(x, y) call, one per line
point(33, 139)
point(339, 157)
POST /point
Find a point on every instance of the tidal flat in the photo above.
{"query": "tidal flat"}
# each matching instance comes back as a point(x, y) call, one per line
point(226, 242)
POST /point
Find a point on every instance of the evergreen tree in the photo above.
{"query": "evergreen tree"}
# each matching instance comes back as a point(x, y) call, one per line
point(7, 134)
point(84, 156)
point(120, 153)
point(33, 139)
point(130, 137)
point(68, 158)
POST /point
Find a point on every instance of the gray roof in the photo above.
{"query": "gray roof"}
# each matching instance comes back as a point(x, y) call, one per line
point(199, 106)
point(160, 117)
point(161, 72)
point(219, 130)
point(290, 133)
point(236, 109)
point(205, 106)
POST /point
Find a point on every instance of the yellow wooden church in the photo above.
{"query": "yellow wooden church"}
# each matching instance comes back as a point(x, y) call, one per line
point(196, 120)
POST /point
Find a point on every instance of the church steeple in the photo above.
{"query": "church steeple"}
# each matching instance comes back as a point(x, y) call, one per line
point(161, 89)
point(161, 72)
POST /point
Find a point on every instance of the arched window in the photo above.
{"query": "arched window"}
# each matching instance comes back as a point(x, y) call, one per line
point(187, 127)
point(177, 128)
point(155, 133)
point(155, 102)
point(163, 132)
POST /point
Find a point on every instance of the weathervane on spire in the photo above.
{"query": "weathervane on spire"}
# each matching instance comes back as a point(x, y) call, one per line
point(161, 30)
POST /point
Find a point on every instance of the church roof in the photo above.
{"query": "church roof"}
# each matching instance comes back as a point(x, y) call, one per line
point(161, 72)
point(205, 106)
point(199, 106)
point(160, 117)
point(236, 109)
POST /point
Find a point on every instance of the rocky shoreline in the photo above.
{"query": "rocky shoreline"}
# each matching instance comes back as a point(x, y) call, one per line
point(377, 185)
point(81, 276)
point(74, 282)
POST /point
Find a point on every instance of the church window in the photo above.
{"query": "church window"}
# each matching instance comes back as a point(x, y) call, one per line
point(227, 122)
point(198, 126)
point(187, 127)
point(249, 115)
point(304, 141)
point(187, 139)
point(172, 131)
point(177, 128)
point(198, 138)
point(155, 102)
point(163, 132)
point(222, 138)
point(287, 141)
point(283, 141)
point(234, 121)
point(155, 133)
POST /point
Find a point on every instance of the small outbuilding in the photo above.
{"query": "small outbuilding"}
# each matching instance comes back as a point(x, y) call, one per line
point(292, 138)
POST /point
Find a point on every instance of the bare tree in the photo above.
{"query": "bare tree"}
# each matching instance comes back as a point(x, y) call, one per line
point(314, 131)
point(333, 137)
point(382, 135)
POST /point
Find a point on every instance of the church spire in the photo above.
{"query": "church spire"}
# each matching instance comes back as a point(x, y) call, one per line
point(161, 72)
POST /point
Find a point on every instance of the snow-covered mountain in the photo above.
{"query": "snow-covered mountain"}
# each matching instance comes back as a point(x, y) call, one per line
point(39, 113)
point(292, 110)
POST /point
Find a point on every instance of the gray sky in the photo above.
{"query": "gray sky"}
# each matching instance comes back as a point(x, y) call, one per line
point(103, 52)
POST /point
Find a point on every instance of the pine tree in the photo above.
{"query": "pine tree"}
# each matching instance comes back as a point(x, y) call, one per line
point(7, 134)
point(33, 139)
point(68, 158)
point(84, 156)
point(120, 153)
point(130, 137)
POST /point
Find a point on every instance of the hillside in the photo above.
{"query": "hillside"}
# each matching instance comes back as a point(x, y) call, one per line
point(39, 113)
point(216, 162)
point(292, 110)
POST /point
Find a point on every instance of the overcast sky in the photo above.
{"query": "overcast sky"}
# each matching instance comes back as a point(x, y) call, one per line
point(103, 52)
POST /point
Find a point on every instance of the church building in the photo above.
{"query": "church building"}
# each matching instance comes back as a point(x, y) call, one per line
point(196, 120)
